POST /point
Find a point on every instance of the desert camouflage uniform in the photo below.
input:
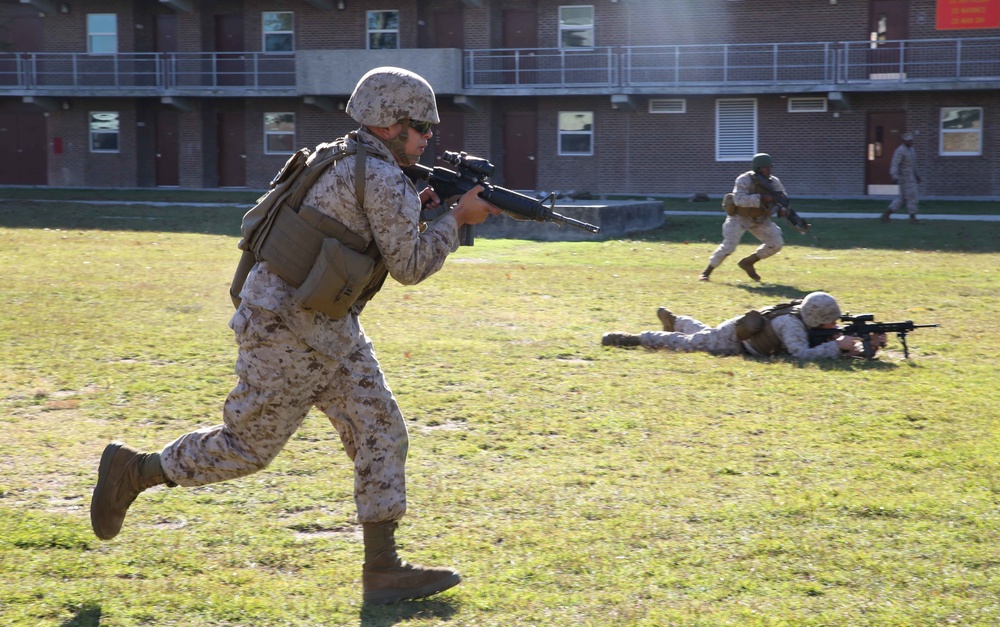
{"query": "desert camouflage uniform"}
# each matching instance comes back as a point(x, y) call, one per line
point(763, 228)
point(291, 359)
point(904, 170)
point(691, 335)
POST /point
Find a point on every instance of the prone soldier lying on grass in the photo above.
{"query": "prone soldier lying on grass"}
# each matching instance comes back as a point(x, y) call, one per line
point(780, 329)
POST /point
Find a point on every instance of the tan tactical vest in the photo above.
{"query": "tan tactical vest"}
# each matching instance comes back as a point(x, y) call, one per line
point(754, 327)
point(330, 266)
point(729, 204)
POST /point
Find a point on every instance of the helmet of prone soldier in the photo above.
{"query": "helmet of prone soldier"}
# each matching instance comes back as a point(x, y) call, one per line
point(760, 160)
point(819, 308)
point(387, 95)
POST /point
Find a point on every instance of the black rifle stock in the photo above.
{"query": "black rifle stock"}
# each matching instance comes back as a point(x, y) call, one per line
point(784, 206)
point(862, 327)
point(470, 171)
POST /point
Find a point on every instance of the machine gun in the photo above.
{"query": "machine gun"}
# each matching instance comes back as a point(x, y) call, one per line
point(783, 205)
point(862, 326)
point(470, 171)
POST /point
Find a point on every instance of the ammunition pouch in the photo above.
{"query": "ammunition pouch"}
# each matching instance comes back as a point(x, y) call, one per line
point(749, 324)
point(329, 265)
point(729, 204)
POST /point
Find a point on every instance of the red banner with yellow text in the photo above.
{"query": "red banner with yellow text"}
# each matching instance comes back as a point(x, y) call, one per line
point(966, 14)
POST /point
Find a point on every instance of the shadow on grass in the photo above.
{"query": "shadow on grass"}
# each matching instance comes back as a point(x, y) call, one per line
point(388, 615)
point(88, 616)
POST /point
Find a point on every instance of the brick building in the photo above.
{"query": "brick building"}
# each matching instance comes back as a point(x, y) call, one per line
point(609, 96)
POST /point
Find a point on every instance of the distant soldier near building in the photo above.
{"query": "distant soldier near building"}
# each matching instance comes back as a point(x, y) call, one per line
point(749, 209)
point(904, 171)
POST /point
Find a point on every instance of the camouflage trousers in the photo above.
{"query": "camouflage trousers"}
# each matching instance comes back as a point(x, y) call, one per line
point(691, 335)
point(280, 380)
point(907, 196)
point(733, 229)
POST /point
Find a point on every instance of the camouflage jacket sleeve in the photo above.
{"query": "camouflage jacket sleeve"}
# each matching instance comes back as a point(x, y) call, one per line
point(390, 215)
point(897, 160)
point(743, 194)
point(792, 333)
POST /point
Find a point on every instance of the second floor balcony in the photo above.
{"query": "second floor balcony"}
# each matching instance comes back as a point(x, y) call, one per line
point(711, 68)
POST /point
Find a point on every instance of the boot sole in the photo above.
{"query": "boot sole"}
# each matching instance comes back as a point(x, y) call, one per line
point(102, 477)
point(385, 597)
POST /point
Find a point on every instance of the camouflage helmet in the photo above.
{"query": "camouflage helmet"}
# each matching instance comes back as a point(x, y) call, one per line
point(760, 160)
point(819, 308)
point(386, 95)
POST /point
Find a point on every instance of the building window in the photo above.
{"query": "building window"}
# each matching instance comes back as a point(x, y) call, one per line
point(576, 133)
point(278, 28)
point(807, 105)
point(104, 131)
point(735, 129)
point(667, 105)
point(961, 131)
point(576, 27)
point(279, 133)
point(383, 30)
point(102, 33)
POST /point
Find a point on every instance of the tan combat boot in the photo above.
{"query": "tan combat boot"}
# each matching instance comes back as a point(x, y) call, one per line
point(668, 319)
point(913, 219)
point(707, 272)
point(747, 264)
point(124, 473)
point(619, 339)
point(885, 215)
point(387, 579)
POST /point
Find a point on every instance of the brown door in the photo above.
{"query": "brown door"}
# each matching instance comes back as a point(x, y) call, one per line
point(884, 131)
point(20, 31)
point(23, 146)
point(888, 24)
point(520, 32)
point(232, 149)
point(230, 64)
point(165, 35)
point(167, 149)
point(519, 144)
point(448, 30)
point(448, 135)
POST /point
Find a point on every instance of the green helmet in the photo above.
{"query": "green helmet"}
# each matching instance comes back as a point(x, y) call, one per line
point(762, 159)
point(386, 95)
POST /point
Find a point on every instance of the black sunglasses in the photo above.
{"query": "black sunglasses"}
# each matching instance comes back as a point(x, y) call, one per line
point(420, 127)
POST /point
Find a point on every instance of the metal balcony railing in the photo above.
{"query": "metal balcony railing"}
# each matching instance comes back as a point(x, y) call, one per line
point(737, 65)
point(148, 71)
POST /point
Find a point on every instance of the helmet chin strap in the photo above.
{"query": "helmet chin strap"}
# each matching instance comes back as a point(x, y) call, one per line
point(397, 146)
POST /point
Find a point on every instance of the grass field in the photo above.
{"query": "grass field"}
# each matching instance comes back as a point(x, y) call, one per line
point(571, 484)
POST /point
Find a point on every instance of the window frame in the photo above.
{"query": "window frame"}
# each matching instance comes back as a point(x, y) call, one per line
point(91, 35)
point(274, 133)
point(942, 132)
point(117, 132)
point(560, 134)
point(564, 28)
point(721, 151)
point(369, 31)
point(264, 33)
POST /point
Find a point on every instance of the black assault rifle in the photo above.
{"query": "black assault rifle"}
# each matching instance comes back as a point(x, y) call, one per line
point(470, 171)
point(862, 327)
point(783, 205)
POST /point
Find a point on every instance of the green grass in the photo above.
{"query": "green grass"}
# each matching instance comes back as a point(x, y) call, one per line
point(570, 484)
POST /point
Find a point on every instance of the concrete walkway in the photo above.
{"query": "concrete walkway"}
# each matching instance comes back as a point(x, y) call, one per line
point(857, 216)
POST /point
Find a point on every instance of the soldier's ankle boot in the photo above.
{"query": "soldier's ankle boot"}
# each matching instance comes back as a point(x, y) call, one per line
point(747, 265)
point(387, 579)
point(885, 215)
point(122, 475)
point(913, 219)
point(707, 272)
point(620, 339)
point(668, 319)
